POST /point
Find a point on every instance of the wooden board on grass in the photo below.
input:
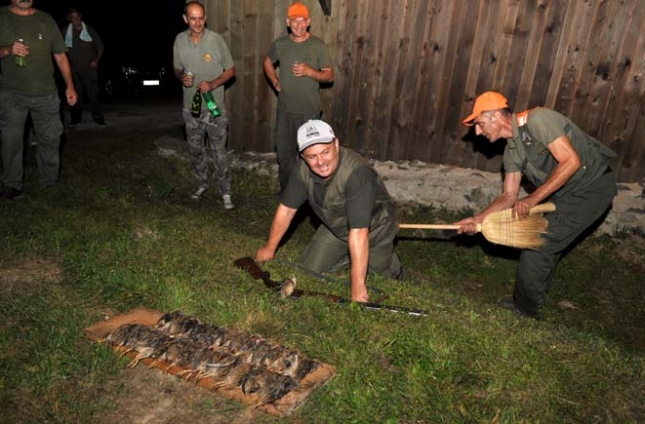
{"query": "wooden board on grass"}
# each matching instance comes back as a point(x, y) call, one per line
point(282, 407)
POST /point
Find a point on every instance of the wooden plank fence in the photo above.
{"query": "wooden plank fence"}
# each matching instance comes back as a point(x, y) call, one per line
point(407, 72)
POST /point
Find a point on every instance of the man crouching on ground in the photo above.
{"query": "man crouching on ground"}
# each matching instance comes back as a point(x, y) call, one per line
point(358, 217)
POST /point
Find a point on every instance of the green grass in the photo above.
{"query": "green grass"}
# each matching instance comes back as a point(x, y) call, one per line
point(121, 228)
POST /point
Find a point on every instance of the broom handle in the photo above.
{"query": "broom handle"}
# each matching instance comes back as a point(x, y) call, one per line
point(430, 226)
point(544, 207)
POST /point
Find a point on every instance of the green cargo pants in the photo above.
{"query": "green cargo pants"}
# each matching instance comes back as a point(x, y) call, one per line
point(575, 212)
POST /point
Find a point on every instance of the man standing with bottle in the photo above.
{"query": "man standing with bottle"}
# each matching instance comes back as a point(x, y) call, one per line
point(28, 39)
point(203, 64)
point(303, 62)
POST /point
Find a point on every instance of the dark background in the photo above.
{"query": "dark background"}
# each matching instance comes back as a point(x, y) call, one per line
point(134, 32)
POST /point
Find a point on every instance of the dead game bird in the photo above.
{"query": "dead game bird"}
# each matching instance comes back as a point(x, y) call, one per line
point(288, 285)
point(148, 342)
point(268, 386)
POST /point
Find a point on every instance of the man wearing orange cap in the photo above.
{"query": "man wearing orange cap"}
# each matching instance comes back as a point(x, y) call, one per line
point(303, 63)
point(566, 165)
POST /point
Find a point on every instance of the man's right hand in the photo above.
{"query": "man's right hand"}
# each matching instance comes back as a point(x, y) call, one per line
point(264, 254)
point(467, 226)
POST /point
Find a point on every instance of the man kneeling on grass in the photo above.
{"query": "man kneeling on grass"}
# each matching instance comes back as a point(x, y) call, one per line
point(358, 217)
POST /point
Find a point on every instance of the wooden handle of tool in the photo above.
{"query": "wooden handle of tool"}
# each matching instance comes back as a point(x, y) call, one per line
point(430, 226)
point(544, 207)
point(436, 226)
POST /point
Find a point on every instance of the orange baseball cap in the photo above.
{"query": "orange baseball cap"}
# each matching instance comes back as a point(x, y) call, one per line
point(490, 100)
point(298, 10)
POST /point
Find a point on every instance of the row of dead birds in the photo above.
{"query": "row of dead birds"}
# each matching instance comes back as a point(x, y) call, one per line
point(232, 359)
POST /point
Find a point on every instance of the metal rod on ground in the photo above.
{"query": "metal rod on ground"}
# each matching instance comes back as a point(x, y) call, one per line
point(249, 265)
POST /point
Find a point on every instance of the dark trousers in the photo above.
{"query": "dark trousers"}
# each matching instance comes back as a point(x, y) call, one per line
point(86, 84)
point(575, 212)
point(286, 141)
point(45, 116)
point(327, 253)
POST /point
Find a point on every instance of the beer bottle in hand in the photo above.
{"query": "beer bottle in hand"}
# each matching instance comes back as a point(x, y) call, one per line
point(211, 105)
point(196, 107)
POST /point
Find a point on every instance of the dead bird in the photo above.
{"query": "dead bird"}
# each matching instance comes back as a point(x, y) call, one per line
point(176, 323)
point(232, 375)
point(286, 362)
point(306, 366)
point(181, 353)
point(268, 386)
point(148, 342)
point(288, 285)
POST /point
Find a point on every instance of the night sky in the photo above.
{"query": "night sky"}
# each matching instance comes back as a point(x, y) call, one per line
point(132, 30)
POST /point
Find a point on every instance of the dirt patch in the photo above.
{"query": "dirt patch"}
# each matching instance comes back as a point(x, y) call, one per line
point(29, 275)
point(142, 395)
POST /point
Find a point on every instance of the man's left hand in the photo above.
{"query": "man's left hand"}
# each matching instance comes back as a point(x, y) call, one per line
point(71, 95)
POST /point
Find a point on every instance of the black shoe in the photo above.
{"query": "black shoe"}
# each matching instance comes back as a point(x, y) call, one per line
point(101, 123)
point(10, 193)
point(507, 302)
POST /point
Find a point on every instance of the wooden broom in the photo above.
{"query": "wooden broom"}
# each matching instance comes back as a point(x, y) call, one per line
point(502, 228)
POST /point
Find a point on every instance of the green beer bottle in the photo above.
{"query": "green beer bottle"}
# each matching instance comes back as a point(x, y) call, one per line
point(211, 105)
point(196, 107)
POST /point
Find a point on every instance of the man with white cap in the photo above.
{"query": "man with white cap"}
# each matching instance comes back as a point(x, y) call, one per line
point(358, 217)
point(566, 165)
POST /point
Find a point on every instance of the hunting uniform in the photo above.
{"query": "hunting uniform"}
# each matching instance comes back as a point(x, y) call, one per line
point(580, 202)
point(207, 59)
point(31, 89)
point(354, 197)
point(298, 99)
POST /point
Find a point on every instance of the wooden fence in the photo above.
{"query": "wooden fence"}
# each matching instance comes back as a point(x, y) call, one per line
point(407, 72)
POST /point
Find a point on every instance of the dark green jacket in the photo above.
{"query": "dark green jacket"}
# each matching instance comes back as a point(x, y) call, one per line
point(384, 224)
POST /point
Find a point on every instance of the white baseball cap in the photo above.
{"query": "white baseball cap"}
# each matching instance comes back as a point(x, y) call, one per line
point(314, 131)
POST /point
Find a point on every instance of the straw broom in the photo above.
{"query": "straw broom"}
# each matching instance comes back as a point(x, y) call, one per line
point(502, 228)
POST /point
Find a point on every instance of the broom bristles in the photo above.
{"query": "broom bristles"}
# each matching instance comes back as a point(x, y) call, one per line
point(502, 228)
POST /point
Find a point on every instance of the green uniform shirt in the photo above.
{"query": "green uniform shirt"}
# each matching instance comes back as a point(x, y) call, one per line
point(43, 37)
point(207, 59)
point(527, 152)
point(353, 197)
point(299, 94)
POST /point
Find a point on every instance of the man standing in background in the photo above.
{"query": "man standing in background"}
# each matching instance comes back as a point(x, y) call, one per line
point(85, 51)
point(203, 62)
point(28, 39)
point(304, 63)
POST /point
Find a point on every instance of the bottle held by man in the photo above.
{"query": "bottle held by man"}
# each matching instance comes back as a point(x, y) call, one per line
point(21, 61)
point(211, 104)
point(196, 107)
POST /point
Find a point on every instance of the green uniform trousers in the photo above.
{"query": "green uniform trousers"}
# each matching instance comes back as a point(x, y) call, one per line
point(575, 212)
point(327, 253)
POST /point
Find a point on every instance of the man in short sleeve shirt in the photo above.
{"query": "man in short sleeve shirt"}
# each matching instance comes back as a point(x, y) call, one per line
point(303, 63)
point(358, 217)
point(566, 165)
point(204, 54)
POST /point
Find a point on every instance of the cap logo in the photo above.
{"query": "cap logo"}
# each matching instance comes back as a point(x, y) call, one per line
point(311, 131)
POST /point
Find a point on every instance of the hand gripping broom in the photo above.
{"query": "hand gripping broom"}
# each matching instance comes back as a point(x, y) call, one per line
point(502, 228)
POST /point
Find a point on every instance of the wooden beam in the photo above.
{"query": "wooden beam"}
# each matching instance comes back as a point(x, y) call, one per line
point(326, 7)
